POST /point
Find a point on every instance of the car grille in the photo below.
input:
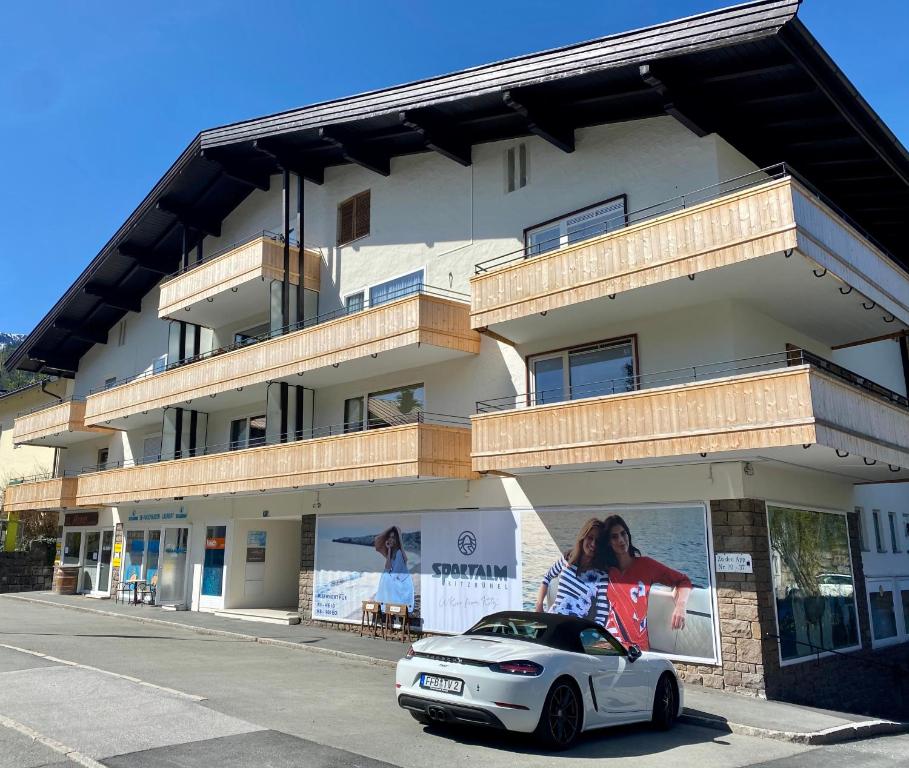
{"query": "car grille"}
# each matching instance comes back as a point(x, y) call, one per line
point(451, 659)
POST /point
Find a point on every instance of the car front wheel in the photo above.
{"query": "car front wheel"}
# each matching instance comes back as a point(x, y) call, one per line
point(561, 719)
point(665, 703)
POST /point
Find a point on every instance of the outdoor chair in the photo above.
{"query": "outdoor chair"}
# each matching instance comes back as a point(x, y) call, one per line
point(149, 590)
point(125, 589)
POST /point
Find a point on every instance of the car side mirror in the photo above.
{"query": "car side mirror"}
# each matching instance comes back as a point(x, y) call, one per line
point(634, 653)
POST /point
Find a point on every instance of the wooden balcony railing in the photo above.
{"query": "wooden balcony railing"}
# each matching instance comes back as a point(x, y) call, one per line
point(59, 424)
point(399, 327)
point(40, 494)
point(799, 405)
point(259, 258)
point(758, 217)
point(408, 451)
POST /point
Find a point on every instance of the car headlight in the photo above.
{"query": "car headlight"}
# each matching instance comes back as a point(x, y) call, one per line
point(523, 668)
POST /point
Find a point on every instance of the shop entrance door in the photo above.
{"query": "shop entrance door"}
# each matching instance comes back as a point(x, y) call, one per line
point(88, 577)
point(213, 567)
point(92, 551)
point(172, 573)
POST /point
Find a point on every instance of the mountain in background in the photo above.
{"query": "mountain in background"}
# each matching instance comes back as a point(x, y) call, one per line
point(10, 381)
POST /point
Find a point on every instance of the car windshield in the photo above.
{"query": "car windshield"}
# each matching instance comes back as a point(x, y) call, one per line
point(510, 626)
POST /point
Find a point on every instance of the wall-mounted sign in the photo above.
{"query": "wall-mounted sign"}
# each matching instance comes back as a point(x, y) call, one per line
point(116, 562)
point(733, 562)
point(80, 518)
point(118, 547)
point(135, 516)
point(214, 542)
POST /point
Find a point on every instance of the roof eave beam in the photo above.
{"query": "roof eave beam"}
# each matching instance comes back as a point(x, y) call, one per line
point(236, 172)
point(437, 138)
point(111, 299)
point(189, 218)
point(545, 126)
point(356, 154)
point(143, 258)
point(82, 333)
point(673, 107)
point(286, 162)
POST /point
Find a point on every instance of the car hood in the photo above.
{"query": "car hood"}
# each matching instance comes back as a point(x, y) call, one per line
point(480, 648)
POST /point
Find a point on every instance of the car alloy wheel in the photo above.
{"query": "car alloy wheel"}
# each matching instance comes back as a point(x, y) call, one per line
point(664, 704)
point(561, 719)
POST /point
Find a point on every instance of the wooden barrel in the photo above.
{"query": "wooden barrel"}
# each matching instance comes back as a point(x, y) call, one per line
point(65, 579)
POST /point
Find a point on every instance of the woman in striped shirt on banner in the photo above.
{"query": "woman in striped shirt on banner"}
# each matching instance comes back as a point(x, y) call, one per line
point(583, 577)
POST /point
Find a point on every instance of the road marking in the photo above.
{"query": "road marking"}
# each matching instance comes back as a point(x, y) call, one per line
point(165, 689)
point(72, 754)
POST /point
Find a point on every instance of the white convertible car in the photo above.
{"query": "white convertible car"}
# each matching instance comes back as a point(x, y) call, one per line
point(552, 675)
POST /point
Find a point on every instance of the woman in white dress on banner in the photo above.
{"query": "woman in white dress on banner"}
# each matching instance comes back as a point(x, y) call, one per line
point(395, 583)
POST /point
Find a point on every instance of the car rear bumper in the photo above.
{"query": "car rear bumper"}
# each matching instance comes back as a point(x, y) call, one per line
point(446, 712)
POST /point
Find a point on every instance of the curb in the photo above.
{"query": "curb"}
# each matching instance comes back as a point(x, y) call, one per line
point(363, 659)
point(864, 729)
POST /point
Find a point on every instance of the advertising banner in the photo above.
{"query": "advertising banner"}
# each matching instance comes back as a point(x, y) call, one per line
point(644, 571)
point(649, 573)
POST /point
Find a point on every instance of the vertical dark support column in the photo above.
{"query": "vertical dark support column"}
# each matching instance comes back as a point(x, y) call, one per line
point(298, 413)
point(197, 340)
point(182, 343)
point(285, 220)
point(184, 249)
point(178, 433)
point(300, 238)
point(199, 250)
point(285, 387)
point(904, 355)
point(193, 426)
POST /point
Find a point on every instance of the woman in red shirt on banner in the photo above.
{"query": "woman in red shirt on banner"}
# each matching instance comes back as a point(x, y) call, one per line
point(630, 577)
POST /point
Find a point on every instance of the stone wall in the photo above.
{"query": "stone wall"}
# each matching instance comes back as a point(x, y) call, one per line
point(25, 572)
point(307, 565)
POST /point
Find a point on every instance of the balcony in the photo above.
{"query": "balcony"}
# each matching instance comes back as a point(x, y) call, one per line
point(235, 282)
point(59, 425)
point(764, 238)
point(423, 327)
point(430, 446)
point(41, 493)
point(792, 407)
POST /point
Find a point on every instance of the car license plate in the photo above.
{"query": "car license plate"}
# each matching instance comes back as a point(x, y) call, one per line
point(442, 684)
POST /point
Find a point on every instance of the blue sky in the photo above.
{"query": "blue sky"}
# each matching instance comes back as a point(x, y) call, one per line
point(99, 98)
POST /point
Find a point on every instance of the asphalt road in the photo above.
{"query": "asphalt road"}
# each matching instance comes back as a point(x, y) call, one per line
point(122, 693)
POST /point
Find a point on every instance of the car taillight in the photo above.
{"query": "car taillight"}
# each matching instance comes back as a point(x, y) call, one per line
point(409, 654)
point(526, 668)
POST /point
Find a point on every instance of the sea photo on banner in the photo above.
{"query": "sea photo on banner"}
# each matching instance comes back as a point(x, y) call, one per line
point(649, 573)
point(366, 557)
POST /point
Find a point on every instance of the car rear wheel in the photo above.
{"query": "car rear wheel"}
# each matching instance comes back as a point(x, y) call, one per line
point(665, 703)
point(561, 719)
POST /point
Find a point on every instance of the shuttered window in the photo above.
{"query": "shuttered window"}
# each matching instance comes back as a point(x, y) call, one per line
point(353, 218)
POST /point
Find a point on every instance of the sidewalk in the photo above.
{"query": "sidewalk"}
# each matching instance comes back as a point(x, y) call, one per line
point(705, 707)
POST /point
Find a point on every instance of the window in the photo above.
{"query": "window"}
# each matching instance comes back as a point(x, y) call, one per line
point(353, 414)
point(354, 302)
point(353, 218)
point(151, 449)
point(574, 227)
point(247, 433)
point(904, 599)
point(812, 581)
point(598, 643)
point(395, 406)
point(159, 364)
point(250, 335)
point(515, 167)
point(110, 382)
point(878, 539)
point(863, 544)
point(121, 333)
point(396, 289)
point(589, 371)
point(894, 540)
point(882, 609)
point(103, 454)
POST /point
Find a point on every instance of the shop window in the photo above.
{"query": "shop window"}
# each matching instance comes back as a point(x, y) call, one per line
point(571, 228)
point(813, 583)
point(882, 609)
point(353, 218)
point(247, 433)
point(391, 407)
point(588, 371)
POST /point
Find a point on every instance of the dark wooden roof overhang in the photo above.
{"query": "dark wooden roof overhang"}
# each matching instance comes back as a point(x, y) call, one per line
point(751, 73)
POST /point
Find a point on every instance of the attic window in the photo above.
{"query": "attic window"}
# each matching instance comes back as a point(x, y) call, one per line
point(353, 218)
point(515, 167)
